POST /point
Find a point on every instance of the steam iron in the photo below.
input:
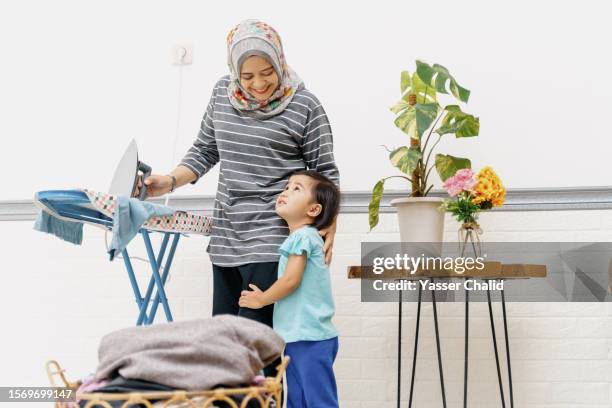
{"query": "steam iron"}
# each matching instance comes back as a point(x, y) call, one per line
point(128, 172)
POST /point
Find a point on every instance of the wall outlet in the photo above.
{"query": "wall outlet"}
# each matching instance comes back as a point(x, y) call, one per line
point(182, 54)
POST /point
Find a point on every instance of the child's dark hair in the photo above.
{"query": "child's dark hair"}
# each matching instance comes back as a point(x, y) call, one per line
point(326, 193)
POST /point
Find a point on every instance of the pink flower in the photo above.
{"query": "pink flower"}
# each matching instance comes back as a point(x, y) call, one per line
point(463, 180)
point(452, 186)
point(466, 176)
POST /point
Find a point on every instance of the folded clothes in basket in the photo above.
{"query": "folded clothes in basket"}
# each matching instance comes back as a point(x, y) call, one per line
point(197, 354)
point(125, 385)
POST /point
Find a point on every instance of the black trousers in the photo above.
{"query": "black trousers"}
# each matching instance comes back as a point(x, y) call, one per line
point(229, 281)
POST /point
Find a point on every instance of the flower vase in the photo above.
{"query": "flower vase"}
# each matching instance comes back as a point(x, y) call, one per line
point(469, 239)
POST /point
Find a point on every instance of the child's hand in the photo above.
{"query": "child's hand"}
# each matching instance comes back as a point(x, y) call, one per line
point(252, 299)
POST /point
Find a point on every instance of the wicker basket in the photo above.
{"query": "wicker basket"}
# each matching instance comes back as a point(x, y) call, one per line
point(268, 395)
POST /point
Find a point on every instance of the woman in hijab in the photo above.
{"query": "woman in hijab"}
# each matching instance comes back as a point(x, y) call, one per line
point(261, 125)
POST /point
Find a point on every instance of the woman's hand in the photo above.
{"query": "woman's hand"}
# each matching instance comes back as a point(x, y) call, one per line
point(252, 299)
point(328, 235)
point(156, 186)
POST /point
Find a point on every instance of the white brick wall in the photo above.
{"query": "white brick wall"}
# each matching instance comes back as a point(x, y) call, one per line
point(57, 300)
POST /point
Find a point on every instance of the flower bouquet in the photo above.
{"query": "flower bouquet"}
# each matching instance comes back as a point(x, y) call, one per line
point(472, 193)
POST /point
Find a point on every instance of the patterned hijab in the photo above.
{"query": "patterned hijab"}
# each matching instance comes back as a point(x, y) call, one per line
point(252, 37)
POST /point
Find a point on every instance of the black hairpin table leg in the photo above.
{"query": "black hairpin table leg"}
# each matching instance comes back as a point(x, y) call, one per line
point(416, 347)
point(465, 358)
point(503, 298)
point(499, 378)
point(399, 351)
point(435, 313)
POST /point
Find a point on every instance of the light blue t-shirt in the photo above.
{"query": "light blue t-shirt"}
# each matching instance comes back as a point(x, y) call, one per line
point(306, 313)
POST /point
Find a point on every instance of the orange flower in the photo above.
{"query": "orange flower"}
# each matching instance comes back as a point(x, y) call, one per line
point(489, 189)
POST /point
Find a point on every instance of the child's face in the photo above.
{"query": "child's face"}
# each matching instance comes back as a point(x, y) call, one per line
point(296, 203)
point(258, 77)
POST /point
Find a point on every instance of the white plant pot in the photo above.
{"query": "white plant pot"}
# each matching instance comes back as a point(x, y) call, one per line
point(420, 219)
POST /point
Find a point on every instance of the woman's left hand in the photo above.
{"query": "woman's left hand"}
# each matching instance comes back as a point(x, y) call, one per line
point(328, 235)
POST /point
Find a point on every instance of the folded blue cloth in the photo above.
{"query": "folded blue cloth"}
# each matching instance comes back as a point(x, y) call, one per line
point(129, 216)
point(66, 230)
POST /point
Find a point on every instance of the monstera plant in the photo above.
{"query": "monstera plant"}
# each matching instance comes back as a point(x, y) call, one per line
point(421, 116)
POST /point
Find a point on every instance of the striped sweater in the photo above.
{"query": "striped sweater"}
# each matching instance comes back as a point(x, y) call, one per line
point(256, 158)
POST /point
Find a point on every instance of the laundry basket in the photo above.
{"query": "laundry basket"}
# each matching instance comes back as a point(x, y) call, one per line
point(267, 395)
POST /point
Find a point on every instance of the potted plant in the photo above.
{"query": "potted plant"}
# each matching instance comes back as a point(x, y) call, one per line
point(420, 115)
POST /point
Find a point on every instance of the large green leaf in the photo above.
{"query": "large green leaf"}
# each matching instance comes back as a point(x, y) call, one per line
point(425, 71)
point(427, 80)
point(447, 165)
point(442, 77)
point(438, 77)
point(460, 123)
point(406, 121)
point(426, 114)
point(405, 159)
point(415, 120)
point(425, 92)
point(374, 206)
point(400, 106)
point(405, 81)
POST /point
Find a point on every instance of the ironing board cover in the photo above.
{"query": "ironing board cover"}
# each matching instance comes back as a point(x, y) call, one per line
point(180, 221)
point(106, 204)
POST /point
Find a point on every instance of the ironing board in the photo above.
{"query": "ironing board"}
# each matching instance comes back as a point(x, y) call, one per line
point(97, 209)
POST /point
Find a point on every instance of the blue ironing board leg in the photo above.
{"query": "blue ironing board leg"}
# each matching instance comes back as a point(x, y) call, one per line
point(133, 282)
point(164, 275)
point(156, 276)
point(142, 316)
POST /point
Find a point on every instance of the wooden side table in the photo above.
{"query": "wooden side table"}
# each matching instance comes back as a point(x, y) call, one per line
point(491, 271)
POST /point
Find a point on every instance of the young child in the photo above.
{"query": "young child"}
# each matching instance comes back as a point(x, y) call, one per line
point(304, 304)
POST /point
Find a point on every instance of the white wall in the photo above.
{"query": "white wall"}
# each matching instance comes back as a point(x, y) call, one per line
point(57, 300)
point(79, 79)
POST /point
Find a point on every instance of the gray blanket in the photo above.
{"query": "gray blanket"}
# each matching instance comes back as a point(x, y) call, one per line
point(192, 355)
